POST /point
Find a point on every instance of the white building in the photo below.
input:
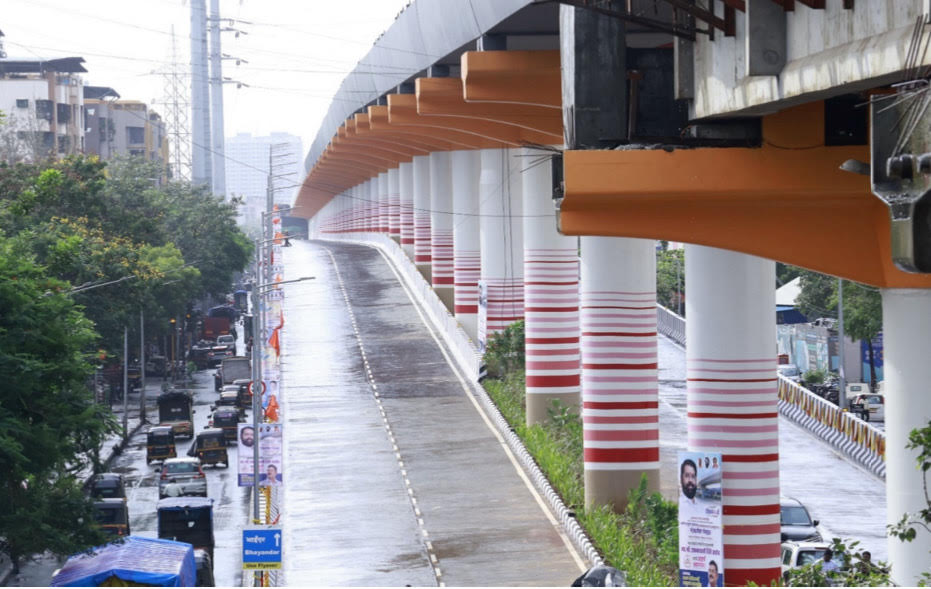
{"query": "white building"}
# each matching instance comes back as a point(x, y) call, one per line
point(247, 163)
point(43, 101)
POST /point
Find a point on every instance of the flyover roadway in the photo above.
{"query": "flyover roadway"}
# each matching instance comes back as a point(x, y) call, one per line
point(409, 487)
point(412, 487)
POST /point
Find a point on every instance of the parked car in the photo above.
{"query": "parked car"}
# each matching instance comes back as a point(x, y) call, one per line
point(799, 554)
point(790, 371)
point(108, 485)
point(796, 524)
point(870, 406)
point(182, 477)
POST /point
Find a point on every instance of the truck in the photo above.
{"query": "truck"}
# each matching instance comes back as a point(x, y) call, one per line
point(214, 327)
point(175, 410)
point(231, 369)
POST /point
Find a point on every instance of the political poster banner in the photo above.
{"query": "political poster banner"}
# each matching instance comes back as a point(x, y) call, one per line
point(269, 438)
point(701, 539)
point(246, 438)
point(271, 471)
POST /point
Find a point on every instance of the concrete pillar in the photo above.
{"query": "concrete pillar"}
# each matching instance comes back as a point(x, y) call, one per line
point(383, 203)
point(620, 397)
point(355, 209)
point(441, 227)
point(406, 193)
point(373, 225)
point(551, 294)
point(467, 263)
point(732, 402)
point(394, 205)
point(502, 239)
point(594, 76)
point(422, 248)
point(907, 372)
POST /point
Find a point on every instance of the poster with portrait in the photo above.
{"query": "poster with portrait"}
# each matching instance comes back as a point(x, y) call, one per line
point(246, 439)
point(271, 470)
point(269, 438)
point(701, 541)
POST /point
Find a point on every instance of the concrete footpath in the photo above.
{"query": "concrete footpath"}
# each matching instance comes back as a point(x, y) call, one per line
point(37, 570)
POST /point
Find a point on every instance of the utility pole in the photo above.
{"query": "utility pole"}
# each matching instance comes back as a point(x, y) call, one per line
point(142, 412)
point(125, 382)
point(216, 103)
point(841, 336)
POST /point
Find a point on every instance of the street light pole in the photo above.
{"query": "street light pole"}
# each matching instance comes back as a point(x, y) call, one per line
point(125, 381)
point(842, 380)
point(142, 412)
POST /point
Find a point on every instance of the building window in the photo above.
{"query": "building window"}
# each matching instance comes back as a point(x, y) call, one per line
point(135, 135)
point(64, 143)
point(64, 113)
point(44, 109)
point(22, 103)
point(137, 152)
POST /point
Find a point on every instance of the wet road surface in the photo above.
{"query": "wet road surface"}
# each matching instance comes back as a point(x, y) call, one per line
point(403, 482)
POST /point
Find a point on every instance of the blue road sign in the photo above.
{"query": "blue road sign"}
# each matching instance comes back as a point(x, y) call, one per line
point(261, 548)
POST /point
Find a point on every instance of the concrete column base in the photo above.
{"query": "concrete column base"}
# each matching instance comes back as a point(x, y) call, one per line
point(538, 405)
point(426, 270)
point(397, 239)
point(612, 487)
point(447, 294)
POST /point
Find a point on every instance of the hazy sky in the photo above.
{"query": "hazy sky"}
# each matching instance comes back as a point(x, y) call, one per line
point(298, 51)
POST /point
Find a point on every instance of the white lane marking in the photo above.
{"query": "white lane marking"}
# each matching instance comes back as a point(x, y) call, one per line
point(491, 427)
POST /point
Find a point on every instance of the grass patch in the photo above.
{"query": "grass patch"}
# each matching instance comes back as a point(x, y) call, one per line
point(642, 541)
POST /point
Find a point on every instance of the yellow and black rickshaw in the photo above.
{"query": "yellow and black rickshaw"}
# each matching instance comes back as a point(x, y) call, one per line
point(113, 516)
point(210, 447)
point(160, 443)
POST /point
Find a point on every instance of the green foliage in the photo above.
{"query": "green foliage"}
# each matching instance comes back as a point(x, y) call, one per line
point(643, 540)
point(814, 376)
point(670, 279)
point(505, 352)
point(50, 424)
point(786, 273)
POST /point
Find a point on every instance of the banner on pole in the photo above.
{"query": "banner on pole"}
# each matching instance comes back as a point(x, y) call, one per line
point(701, 541)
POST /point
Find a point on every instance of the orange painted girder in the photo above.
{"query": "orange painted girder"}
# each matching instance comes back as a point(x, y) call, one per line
point(443, 96)
point(522, 77)
point(790, 205)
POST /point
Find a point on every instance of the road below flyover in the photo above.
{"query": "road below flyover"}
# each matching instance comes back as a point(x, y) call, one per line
point(393, 475)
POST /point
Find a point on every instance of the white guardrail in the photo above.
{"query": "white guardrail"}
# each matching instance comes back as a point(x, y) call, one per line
point(858, 440)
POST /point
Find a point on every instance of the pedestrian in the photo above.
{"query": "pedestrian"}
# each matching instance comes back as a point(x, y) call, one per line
point(828, 564)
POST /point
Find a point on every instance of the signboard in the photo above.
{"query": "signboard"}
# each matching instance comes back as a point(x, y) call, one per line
point(270, 441)
point(482, 315)
point(261, 548)
point(701, 542)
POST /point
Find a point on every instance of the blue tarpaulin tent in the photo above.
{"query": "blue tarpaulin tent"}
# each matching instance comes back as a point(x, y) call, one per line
point(145, 561)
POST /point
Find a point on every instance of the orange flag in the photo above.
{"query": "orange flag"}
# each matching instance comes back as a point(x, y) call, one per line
point(273, 342)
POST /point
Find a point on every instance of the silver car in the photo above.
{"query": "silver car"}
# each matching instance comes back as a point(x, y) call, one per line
point(182, 477)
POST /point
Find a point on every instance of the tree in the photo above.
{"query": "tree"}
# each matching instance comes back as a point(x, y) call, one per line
point(50, 423)
point(670, 278)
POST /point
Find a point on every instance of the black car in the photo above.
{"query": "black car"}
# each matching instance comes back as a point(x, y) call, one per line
point(796, 524)
point(108, 485)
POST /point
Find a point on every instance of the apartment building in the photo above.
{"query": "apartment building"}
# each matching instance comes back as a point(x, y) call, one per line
point(123, 127)
point(247, 160)
point(43, 102)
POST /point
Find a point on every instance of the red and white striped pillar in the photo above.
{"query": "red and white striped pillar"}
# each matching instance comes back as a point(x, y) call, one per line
point(551, 294)
point(383, 203)
point(620, 396)
point(467, 260)
point(502, 239)
point(441, 227)
point(732, 400)
point(422, 246)
point(406, 198)
point(357, 209)
point(373, 205)
point(394, 205)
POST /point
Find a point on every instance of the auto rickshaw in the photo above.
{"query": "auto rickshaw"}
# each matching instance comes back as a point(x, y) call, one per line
point(210, 447)
point(160, 444)
point(108, 485)
point(113, 516)
point(245, 392)
point(187, 519)
point(227, 419)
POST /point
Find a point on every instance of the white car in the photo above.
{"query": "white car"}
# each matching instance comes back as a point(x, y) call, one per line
point(798, 554)
point(870, 406)
point(182, 477)
point(790, 371)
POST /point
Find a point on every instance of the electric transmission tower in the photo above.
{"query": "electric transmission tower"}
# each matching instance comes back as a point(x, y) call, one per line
point(177, 101)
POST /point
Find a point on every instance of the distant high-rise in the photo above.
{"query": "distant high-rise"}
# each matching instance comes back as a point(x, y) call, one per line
point(247, 171)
